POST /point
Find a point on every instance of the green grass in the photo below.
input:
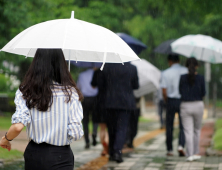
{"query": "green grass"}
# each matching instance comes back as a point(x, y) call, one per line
point(5, 123)
point(144, 120)
point(218, 135)
point(219, 103)
point(13, 154)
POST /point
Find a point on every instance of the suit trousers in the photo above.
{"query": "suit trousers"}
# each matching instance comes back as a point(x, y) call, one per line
point(192, 114)
point(117, 122)
point(132, 126)
point(89, 108)
point(45, 156)
point(173, 106)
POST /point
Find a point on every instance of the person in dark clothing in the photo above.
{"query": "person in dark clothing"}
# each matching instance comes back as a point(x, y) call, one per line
point(119, 81)
point(192, 90)
point(133, 125)
point(100, 114)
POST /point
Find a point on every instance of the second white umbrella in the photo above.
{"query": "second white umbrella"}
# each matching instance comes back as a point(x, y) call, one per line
point(201, 47)
point(149, 77)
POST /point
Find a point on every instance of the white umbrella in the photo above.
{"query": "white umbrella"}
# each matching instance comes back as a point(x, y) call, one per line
point(149, 77)
point(201, 47)
point(79, 40)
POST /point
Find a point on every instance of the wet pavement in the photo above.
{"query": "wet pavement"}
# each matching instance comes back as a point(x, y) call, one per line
point(148, 155)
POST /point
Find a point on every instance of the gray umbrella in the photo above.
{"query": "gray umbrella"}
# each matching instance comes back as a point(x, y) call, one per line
point(165, 48)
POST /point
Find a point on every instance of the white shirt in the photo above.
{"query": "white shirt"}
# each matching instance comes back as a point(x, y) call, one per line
point(170, 80)
point(59, 125)
point(84, 83)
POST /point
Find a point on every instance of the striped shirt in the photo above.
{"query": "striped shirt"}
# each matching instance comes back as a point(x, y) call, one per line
point(59, 125)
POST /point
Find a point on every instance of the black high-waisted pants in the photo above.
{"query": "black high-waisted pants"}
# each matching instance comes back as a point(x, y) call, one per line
point(48, 157)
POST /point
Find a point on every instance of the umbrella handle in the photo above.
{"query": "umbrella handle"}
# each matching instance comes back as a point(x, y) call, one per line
point(104, 60)
point(72, 15)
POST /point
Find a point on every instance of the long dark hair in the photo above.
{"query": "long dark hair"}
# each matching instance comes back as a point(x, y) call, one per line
point(48, 66)
point(191, 64)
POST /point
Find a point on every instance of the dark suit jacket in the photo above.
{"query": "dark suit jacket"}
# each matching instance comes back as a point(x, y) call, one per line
point(119, 81)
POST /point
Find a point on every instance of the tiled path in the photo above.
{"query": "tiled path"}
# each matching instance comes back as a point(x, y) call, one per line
point(150, 155)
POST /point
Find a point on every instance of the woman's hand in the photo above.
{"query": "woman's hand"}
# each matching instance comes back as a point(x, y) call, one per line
point(5, 143)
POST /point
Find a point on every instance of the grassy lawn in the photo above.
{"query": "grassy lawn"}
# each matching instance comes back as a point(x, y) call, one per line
point(5, 123)
point(218, 135)
point(144, 120)
point(13, 154)
point(219, 103)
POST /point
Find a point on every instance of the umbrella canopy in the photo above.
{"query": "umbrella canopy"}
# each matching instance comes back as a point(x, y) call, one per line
point(86, 64)
point(136, 45)
point(201, 47)
point(164, 47)
point(79, 40)
point(149, 77)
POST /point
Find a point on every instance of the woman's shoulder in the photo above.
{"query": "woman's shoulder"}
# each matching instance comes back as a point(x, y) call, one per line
point(18, 93)
point(75, 95)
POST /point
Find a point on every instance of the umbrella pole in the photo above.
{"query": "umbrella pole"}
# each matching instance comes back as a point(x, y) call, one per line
point(69, 60)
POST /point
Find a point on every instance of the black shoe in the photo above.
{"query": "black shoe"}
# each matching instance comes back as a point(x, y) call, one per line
point(130, 145)
point(118, 158)
point(111, 158)
point(181, 153)
point(87, 146)
point(94, 143)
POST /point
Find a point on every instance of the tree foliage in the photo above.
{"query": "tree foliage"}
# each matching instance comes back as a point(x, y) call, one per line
point(150, 21)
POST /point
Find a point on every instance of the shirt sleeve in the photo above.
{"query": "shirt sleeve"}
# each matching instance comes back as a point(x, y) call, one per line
point(22, 114)
point(75, 130)
point(163, 83)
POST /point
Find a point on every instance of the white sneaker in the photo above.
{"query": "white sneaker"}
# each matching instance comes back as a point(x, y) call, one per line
point(180, 148)
point(189, 159)
point(196, 157)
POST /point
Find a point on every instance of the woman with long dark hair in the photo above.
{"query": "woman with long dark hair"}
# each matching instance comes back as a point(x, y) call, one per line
point(192, 90)
point(49, 104)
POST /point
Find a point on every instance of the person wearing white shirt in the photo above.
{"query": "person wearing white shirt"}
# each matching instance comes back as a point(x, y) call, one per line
point(170, 88)
point(88, 104)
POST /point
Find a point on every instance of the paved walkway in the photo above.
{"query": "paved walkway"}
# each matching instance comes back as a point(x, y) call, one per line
point(150, 155)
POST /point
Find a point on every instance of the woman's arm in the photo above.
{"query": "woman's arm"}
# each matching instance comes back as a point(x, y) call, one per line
point(19, 119)
point(12, 133)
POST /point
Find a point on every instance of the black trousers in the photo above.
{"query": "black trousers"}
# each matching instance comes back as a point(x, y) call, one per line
point(117, 121)
point(132, 126)
point(173, 106)
point(161, 108)
point(45, 156)
point(89, 108)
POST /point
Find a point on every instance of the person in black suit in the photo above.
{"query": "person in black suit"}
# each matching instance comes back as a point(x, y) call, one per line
point(119, 81)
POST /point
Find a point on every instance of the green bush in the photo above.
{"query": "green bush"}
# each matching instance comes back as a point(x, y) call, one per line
point(3, 83)
point(218, 124)
point(218, 135)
